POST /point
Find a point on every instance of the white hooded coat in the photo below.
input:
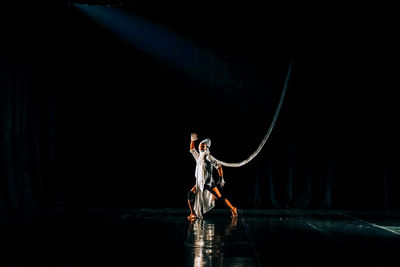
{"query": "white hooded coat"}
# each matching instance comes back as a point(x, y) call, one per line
point(204, 200)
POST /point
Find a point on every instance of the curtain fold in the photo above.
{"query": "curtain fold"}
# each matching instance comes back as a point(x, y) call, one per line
point(25, 128)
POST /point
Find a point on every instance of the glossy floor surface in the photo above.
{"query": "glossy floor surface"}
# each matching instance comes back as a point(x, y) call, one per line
point(163, 237)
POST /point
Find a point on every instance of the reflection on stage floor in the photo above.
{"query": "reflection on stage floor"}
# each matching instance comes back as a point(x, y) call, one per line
point(164, 237)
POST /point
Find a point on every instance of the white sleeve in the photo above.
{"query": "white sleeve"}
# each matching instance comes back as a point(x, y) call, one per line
point(194, 153)
point(213, 162)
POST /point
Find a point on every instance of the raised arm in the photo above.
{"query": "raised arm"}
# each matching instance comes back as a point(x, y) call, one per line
point(193, 138)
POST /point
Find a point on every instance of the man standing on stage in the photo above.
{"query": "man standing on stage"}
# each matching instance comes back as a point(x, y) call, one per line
point(202, 196)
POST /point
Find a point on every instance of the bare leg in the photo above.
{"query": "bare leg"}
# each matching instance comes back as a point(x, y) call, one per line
point(192, 216)
point(190, 207)
point(233, 209)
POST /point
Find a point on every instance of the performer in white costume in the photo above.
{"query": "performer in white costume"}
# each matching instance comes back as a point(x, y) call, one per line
point(202, 196)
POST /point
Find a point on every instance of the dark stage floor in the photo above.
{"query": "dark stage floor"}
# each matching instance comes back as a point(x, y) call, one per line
point(149, 237)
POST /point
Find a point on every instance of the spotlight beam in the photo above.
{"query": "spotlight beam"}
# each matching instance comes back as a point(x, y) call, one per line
point(167, 46)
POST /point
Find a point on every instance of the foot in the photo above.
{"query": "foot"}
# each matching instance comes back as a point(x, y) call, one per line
point(191, 217)
point(234, 212)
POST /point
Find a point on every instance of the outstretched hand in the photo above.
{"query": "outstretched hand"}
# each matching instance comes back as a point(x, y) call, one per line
point(193, 137)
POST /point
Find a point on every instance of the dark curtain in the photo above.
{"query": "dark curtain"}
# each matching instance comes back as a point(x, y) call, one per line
point(89, 120)
point(27, 117)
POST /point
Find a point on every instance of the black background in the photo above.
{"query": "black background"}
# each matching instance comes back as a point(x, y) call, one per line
point(107, 124)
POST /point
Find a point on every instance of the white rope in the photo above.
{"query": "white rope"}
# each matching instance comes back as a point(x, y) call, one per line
point(252, 156)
